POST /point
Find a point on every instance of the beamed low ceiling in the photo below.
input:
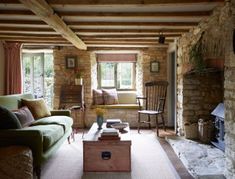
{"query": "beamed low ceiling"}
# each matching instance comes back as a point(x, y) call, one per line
point(100, 23)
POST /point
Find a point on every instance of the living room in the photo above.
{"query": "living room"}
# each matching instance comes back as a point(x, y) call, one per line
point(129, 33)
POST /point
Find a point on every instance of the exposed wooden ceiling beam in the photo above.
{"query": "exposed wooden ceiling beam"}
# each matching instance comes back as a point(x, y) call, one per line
point(135, 14)
point(26, 22)
point(187, 14)
point(16, 12)
point(46, 13)
point(81, 24)
point(129, 30)
point(27, 29)
point(119, 2)
point(132, 23)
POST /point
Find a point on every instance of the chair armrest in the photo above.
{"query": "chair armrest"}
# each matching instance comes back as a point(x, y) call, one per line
point(26, 137)
point(61, 113)
point(139, 102)
point(140, 97)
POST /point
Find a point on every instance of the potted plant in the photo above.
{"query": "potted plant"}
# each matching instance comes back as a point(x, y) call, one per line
point(196, 56)
point(78, 77)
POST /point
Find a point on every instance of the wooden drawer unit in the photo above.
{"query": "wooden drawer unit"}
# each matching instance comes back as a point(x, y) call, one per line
point(106, 155)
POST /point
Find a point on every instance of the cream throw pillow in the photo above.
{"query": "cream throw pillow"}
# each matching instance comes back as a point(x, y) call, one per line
point(37, 107)
point(110, 96)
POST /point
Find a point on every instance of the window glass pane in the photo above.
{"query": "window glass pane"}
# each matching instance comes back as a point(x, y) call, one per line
point(27, 63)
point(107, 74)
point(38, 76)
point(125, 75)
point(48, 78)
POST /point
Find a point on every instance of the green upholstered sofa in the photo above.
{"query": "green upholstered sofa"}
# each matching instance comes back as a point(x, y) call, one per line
point(44, 136)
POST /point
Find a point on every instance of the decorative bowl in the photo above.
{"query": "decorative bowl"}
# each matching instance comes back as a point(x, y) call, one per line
point(119, 126)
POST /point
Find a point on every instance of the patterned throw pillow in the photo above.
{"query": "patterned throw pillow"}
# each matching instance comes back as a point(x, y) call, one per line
point(25, 116)
point(110, 96)
point(98, 97)
point(37, 107)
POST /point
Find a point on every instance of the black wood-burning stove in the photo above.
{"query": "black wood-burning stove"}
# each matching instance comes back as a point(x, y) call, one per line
point(218, 140)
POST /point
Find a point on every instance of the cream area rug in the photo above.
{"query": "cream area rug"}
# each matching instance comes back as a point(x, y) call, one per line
point(148, 160)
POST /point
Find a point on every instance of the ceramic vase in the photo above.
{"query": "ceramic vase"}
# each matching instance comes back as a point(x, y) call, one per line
point(100, 121)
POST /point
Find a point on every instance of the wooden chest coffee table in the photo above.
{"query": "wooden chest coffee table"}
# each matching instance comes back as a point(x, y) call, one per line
point(106, 155)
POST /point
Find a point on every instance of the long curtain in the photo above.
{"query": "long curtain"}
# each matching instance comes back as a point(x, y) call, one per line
point(13, 83)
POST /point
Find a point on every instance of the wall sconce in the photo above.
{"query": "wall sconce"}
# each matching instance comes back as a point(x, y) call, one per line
point(161, 39)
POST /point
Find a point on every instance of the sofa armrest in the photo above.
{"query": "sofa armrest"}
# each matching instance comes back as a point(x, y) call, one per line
point(26, 137)
point(61, 113)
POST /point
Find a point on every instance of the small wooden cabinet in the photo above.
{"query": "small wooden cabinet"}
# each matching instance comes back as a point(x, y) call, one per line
point(71, 96)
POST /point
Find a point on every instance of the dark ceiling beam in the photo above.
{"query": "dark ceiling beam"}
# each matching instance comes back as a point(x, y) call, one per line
point(119, 2)
point(129, 36)
point(51, 36)
point(129, 30)
point(114, 14)
point(16, 12)
point(76, 23)
point(132, 23)
point(135, 14)
point(27, 29)
point(26, 22)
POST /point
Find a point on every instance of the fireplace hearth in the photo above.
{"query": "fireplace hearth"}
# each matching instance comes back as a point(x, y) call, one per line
point(218, 140)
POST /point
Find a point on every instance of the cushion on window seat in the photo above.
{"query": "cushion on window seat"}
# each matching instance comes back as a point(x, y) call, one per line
point(117, 106)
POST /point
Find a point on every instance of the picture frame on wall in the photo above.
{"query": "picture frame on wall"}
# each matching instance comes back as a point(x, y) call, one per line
point(154, 66)
point(71, 62)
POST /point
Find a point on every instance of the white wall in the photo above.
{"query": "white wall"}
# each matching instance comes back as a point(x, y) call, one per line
point(1, 69)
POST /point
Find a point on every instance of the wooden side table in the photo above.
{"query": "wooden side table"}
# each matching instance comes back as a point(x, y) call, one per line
point(16, 162)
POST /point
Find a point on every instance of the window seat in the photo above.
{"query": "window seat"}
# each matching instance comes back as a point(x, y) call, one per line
point(117, 106)
point(126, 100)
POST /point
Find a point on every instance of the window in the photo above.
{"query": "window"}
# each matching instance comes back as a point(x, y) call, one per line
point(116, 73)
point(38, 74)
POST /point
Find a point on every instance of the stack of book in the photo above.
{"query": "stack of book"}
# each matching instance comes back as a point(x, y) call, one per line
point(109, 122)
point(109, 134)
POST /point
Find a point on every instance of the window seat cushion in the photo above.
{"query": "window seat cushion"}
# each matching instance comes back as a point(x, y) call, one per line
point(117, 106)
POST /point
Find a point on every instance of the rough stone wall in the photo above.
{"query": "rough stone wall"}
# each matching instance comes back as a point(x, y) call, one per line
point(87, 62)
point(214, 40)
point(229, 99)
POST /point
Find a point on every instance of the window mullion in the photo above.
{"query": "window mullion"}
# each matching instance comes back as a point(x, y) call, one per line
point(115, 76)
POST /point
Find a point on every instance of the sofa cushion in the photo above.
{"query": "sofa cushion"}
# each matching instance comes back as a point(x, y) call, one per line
point(51, 134)
point(64, 121)
point(97, 97)
point(8, 119)
point(24, 116)
point(110, 96)
point(37, 107)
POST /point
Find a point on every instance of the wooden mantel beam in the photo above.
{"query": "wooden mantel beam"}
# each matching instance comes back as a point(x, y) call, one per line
point(46, 13)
